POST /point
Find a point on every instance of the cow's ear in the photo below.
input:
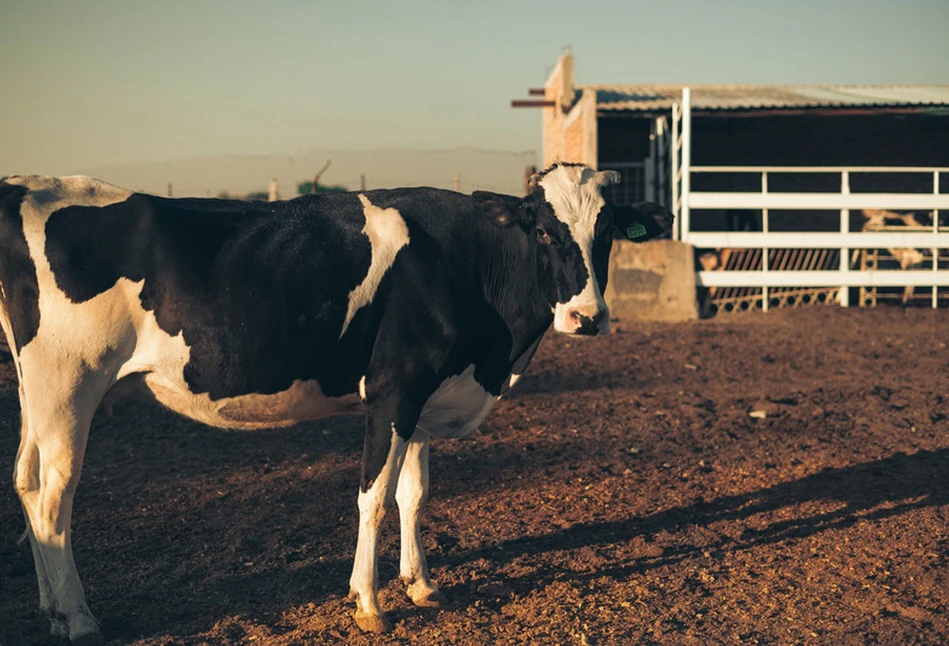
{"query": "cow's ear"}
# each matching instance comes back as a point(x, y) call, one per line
point(503, 210)
point(642, 221)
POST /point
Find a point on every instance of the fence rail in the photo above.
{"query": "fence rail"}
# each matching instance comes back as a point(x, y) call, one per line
point(819, 201)
point(819, 240)
point(909, 278)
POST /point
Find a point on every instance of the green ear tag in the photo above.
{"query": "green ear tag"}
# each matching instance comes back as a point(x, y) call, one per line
point(635, 230)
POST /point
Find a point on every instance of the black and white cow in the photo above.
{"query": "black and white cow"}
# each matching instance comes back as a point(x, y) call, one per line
point(418, 307)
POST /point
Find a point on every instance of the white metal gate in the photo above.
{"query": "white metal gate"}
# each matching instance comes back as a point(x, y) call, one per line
point(684, 200)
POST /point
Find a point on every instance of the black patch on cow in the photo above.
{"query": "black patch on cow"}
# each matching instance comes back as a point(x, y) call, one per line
point(258, 290)
point(602, 245)
point(561, 261)
point(642, 221)
point(17, 270)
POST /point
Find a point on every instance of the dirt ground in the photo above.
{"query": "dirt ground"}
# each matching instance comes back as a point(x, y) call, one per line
point(623, 493)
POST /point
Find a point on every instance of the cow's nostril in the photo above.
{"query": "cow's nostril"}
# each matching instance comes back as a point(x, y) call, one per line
point(576, 316)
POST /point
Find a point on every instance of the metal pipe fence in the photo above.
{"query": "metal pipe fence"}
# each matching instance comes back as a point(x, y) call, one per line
point(934, 239)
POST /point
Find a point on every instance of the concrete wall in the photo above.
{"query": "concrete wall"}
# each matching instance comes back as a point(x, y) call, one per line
point(651, 281)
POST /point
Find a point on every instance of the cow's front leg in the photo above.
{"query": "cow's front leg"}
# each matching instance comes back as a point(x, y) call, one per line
point(411, 496)
point(388, 427)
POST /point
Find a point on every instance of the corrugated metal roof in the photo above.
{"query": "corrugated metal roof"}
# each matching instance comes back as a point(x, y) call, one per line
point(647, 98)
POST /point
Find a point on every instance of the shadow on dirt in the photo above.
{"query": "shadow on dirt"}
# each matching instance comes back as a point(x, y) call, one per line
point(868, 492)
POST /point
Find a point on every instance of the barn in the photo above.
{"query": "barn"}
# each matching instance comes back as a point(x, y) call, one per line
point(769, 179)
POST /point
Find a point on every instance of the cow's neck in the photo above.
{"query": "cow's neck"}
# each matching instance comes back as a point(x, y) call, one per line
point(510, 280)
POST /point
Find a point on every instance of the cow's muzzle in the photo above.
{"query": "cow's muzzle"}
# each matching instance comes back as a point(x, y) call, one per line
point(585, 321)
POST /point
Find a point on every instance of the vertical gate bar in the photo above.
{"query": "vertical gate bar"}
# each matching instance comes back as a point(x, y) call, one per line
point(844, 296)
point(677, 223)
point(686, 160)
point(765, 294)
point(935, 230)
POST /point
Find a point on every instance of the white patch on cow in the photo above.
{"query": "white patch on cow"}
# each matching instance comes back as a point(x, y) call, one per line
point(574, 193)
point(513, 379)
point(50, 193)
point(60, 323)
point(457, 407)
point(387, 233)
point(362, 388)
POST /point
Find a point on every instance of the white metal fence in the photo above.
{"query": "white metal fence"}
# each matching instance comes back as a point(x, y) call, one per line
point(843, 201)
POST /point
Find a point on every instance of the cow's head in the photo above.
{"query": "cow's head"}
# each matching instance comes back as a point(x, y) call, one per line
point(571, 228)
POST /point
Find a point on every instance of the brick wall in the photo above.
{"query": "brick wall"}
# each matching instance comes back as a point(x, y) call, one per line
point(573, 140)
point(569, 126)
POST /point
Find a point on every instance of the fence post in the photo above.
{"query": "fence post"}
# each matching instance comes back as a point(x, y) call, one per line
point(844, 296)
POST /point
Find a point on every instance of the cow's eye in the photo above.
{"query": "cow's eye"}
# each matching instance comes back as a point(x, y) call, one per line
point(542, 236)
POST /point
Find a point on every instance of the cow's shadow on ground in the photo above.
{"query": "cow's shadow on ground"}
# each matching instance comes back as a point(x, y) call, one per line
point(864, 493)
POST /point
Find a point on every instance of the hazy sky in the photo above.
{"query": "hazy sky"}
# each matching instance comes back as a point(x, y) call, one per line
point(94, 82)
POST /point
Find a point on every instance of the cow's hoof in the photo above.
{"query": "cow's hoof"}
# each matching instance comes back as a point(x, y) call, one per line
point(58, 628)
point(426, 596)
point(89, 639)
point(373, 623)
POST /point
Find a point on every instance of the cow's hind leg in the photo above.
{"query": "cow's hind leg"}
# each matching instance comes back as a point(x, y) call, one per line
point(26, 480)
point(411, 496)
point(47, 473)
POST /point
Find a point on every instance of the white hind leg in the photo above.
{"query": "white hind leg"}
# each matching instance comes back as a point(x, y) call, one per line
point(411, 495)
point(57, 418)
point(26, 480)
